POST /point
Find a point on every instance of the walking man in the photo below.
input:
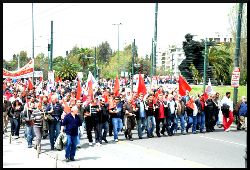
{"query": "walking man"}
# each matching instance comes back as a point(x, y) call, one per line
point(71, 124)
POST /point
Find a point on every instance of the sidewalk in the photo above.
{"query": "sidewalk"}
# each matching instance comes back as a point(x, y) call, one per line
point(121, 154)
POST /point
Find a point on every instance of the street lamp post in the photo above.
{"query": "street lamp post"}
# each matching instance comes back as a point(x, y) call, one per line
point(118, 47)
point(205, 66)
point(33, 44)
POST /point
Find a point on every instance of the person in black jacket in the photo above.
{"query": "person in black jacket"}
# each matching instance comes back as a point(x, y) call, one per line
point(6, 107)
point(93, 120)
point(104, 113)
point(14, 114)
point(150, 116)
point(209, 114)
point(55, 110)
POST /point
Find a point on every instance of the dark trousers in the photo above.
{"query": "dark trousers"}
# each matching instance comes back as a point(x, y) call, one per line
point(130, 126)
point(209, 121)
point(105, 127)
point(158, 121)
point(171, 124)
point(110, 126)
point(98, 132)
point(54, 130)
point(89, 128)
point(15, 126)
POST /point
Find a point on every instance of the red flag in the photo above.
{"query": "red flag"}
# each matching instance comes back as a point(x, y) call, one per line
point(116, 87)
point(141, 86)
point(30, 85)
point(79, 90)
point(66, 107)
point(60, 79)
point(90, 90)
point(183, 86)
point(41, 78)
point(190, 104)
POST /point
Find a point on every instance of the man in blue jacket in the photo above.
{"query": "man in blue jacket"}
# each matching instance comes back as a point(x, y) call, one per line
point(55, 110)
point(71, 124)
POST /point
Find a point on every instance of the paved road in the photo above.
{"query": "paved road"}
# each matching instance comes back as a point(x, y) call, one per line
point(217, 149)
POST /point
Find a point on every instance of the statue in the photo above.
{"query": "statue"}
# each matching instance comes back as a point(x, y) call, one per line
point(194, 55)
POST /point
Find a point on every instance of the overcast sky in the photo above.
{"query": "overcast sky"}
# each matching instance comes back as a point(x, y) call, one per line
point(89, 24)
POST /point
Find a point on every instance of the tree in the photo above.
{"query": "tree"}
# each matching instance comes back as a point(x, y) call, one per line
point(219, 58)
point(66, 70)
point(104, 52)
point(42, 64)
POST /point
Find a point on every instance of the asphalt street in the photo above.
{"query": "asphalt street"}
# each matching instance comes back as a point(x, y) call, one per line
point(217, 149)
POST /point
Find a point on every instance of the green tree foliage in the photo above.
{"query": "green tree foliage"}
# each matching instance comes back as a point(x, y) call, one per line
point(196, 75)
point(66, 70)
point(111, 70)
point(42, 64)
point(104, 52)
point(219, 58)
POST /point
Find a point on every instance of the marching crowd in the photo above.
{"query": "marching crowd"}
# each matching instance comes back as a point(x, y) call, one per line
point(157, 113)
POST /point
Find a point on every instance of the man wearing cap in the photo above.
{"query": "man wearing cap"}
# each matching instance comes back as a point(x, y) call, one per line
point(117, 114)
point(55, 109)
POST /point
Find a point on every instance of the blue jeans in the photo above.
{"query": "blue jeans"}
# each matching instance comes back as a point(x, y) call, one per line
point(182, 120)
point(70, 149)
point(30, 134)
point(150, 125)
point(78, 137)
point(141, 125)
point(117, 126)
point(201, 120)
point(15, 126)
point(54, 130)
point(192, 120)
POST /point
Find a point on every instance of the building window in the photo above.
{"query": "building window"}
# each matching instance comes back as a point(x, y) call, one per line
point(210, 39)
point(230, 39)
point(217, 40)
point(225, 39)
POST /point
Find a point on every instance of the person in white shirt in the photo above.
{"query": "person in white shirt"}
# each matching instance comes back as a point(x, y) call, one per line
point(227, 123)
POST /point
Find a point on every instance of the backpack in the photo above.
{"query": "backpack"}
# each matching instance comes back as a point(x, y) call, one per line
point(225, 110)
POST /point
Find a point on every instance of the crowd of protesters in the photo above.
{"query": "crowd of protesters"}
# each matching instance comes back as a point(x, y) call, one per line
point(161, 112)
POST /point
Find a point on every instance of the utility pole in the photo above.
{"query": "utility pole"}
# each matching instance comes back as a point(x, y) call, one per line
point(237, 48)
point(118, 58)
point(51, 46)
point(236, 61)
point(152, 60)
point(95, 64)
point(155, 39)
point(205, 66)
point(133, 63)
point(33, 45)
